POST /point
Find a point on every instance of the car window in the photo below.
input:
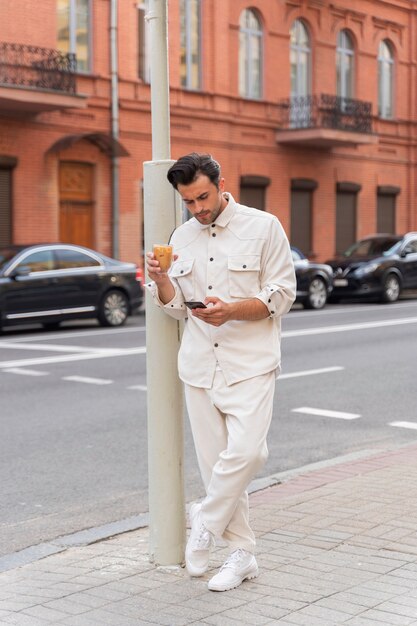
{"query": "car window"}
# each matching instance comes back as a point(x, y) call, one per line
point(6, 254)
point(40, 261)
point(68, 259)
point(368, 247)
point(411, 246)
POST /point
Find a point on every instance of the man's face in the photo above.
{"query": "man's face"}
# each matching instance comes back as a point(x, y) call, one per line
point(203, 199)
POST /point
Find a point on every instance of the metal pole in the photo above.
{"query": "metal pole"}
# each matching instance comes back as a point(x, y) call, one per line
point(165, 397)
point(114, 126)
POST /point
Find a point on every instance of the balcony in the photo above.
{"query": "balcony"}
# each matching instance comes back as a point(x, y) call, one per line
point(324, 121)
point(33, 80)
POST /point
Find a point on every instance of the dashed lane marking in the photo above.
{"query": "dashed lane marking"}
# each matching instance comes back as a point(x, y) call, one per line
point(308, 410)
point(25, 372)
point(411, 425)
point(105, 354)
point(88, 380)
point(138, 388)
point(323, 370)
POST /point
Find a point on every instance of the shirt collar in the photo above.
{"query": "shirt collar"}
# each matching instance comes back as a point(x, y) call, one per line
point(226, 215)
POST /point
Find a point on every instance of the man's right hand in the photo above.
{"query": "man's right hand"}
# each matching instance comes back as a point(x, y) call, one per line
point(166, 289)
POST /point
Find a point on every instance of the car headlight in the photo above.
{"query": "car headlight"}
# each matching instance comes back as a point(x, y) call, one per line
point(366, 269)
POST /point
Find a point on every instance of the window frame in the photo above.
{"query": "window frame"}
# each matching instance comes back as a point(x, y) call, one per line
point(345, 86)
point(248, 35)
point(72, 35)
point(186, 6)
point(298, 49)
point(386, 109)
point(144, 44)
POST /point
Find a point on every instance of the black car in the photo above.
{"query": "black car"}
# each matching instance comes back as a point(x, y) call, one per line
point(380, 267)
point(49, 283)
point(314, 281)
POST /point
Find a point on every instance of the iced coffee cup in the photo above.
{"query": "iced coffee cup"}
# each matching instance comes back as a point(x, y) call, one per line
point(163, 254)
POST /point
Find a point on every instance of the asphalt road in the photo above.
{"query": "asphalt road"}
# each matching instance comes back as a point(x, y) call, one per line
point(73, 411)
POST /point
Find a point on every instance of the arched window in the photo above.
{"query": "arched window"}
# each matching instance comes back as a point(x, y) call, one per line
point(250, 55)
point(385, 79)
point(344, 65)
point(300, 53)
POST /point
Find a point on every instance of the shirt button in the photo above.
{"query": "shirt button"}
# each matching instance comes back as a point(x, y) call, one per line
point(211, 258)
point(213, 234)
point(216, 345)
point(213, 225)
point(269, 300)
point(244, 266)
point(210, 287)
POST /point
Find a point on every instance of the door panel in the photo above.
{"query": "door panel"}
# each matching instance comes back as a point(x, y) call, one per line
point(76, 203)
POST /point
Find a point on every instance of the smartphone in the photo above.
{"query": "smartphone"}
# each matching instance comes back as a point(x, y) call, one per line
point(195, 305)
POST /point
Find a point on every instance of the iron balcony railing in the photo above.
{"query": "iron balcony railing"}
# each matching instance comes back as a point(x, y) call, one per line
point(37, 68)
point(325, 111)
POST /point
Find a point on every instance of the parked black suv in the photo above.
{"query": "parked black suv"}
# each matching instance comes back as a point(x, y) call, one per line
point(380, 266)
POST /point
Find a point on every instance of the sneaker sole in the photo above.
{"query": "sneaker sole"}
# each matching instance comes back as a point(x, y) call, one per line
point(249, 576)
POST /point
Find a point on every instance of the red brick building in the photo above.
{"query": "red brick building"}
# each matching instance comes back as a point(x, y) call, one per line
point(310, 106)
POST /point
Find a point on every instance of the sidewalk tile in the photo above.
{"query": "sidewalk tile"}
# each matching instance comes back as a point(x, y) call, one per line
point(387, 618)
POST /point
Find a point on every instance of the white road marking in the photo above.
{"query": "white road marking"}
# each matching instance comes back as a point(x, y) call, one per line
point(323, 370)
point(326, 413)
point(138, 388)
point(24, 372)
point(411, 425)
point(67, 334)
point(50, 347)
point(72, 357)
point(340, 328)
point(88, 380)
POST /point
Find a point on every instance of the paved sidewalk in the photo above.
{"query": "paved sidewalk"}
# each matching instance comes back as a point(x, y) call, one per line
point(337, 545)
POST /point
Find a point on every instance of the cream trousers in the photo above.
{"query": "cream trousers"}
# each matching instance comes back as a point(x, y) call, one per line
point(230, 426)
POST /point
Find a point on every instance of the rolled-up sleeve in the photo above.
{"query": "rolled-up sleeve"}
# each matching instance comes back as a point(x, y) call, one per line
point(175, 307)
point(277, 273)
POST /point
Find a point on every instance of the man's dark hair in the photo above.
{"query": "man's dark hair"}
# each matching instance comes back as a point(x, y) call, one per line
point(191, 166)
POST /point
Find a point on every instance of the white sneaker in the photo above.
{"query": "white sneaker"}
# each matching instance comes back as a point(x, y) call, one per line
point(239, 566)
point(200, 542)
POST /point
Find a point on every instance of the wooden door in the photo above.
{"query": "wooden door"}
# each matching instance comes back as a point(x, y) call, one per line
point(76, 203)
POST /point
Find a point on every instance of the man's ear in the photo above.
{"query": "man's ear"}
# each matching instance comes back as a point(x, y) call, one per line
point(221, 185)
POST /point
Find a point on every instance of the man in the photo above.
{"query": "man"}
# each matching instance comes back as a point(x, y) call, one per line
point(236, 260)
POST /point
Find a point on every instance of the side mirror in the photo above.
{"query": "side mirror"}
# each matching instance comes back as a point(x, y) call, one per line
point(21, 270)
point(405, 252)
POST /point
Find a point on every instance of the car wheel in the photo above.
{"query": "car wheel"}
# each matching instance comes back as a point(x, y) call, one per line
point(113, 309)
point(317, 294)
point(391, 288)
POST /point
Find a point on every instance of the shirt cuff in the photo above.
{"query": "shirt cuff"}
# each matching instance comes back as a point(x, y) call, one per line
point(177, 302)
point(271, 297)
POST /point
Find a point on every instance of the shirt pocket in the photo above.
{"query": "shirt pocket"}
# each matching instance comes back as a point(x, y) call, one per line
point(243, 273)
point(182, 272)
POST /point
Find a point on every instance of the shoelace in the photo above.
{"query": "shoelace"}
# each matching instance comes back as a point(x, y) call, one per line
point(202, 542)
point(233, 558)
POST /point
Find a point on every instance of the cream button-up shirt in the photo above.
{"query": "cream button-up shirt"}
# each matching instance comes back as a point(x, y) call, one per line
point(243, 254)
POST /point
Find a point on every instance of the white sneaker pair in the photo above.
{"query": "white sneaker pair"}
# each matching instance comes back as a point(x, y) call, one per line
point(239, 565)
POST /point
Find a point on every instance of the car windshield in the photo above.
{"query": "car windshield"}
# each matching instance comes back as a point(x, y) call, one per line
point(5, 255)
point(370, 247)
